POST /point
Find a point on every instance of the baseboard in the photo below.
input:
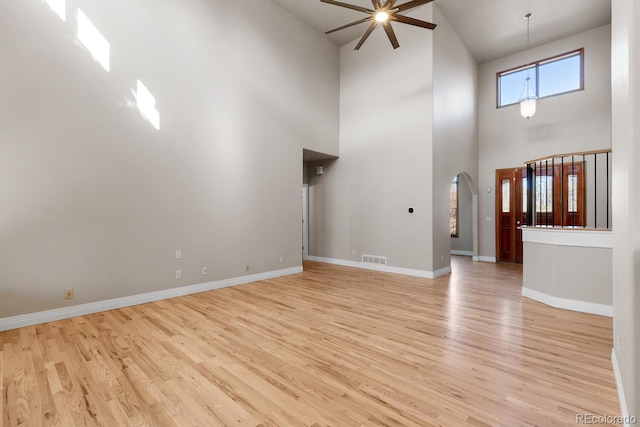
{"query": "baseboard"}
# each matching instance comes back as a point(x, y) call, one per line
point(476, 258)
point(442, 272)
point(623, 401)
point(31, 319)
point(384, 268)
point(568, 304)
point(487, 258)
point(461, 253)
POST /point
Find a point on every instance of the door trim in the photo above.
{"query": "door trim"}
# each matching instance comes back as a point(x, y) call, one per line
point(305, 221)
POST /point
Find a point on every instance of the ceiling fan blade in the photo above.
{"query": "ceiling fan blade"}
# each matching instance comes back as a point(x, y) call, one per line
point(348, 6)
point(376, 4)
point(412, 21)
point(391, 34)
point(366, 35)
point(412, 4)
point(359, 21)
point(389, 4)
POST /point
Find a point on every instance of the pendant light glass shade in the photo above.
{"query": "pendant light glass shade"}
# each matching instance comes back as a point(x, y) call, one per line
point(528, 100)
point(528, 97)
point(528, 108)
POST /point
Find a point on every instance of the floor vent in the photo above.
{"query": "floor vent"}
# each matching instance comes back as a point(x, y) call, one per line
point(373, 259)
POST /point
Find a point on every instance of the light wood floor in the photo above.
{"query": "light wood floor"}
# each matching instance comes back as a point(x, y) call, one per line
point(330, 346)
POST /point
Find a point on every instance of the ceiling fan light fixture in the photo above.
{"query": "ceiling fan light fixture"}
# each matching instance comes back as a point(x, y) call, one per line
point(382, 16)
point(383, 13)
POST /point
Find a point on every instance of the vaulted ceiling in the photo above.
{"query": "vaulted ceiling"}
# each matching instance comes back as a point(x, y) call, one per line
point(489, 28)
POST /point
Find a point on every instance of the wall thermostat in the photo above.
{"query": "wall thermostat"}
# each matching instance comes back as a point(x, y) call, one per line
point(411, 210)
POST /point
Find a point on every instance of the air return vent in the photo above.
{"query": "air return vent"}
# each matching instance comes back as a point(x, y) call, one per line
point(374, 259)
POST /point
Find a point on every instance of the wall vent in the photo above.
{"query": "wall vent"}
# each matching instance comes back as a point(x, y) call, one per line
point(374, 259)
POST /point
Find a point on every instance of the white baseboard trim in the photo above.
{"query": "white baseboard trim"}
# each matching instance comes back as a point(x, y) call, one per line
point(487, 258)
point(31, 319)
point(442, 272)
point(385, 268)
point(569, 304)
point(462, 253)
point(476, 258)
point(623, 401)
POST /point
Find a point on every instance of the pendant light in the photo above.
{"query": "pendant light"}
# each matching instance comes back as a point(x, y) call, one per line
point(528, 98)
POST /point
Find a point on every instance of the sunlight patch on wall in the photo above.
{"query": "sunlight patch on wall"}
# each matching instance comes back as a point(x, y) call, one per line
point(95, 42)
point(58, 6)
point(147, 105)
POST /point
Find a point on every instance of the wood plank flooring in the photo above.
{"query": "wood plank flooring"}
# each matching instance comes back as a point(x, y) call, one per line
point(333, 346)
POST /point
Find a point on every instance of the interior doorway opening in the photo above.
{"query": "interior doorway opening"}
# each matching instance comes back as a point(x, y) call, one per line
point(313, 169)
point(463, 216)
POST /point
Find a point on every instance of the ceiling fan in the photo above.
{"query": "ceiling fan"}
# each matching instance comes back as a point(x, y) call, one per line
point(383, 14)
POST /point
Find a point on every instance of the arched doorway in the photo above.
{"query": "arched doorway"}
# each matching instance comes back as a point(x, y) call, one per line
point(463, 214)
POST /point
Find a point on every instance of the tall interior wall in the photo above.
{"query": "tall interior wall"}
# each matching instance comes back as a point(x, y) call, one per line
point(360, 203)
point(401, 136)
point(95, 198)
point(625, 66)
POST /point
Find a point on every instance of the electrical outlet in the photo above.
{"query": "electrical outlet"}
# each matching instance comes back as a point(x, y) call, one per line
point(353, 252)
point(618, 343)
point(246, 267)
point(68, 293)
point(178, 274)
point(281, 259)
point(205, 271)
point(179, 254)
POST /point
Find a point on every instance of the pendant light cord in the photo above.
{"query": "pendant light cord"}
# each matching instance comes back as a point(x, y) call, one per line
point(527, 17)
point(528, 97)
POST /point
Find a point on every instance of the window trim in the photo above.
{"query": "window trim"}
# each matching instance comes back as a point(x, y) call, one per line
point(535, 66)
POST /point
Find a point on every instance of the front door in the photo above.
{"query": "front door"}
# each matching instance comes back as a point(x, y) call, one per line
point(510, 213)
point(559, 201)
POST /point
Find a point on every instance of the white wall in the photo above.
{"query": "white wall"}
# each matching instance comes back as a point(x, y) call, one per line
point(360, 203)
point(577, 121)
point(568, 269)
point(626, 198)
point(94, 198)
point(455, 128)
point(391, 116)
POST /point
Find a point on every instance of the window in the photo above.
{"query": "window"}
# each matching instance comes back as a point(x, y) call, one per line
point(551, 76)
point(525, 195)
point(572, 191)
point(453, 208)
point(506, 195)
point(544, 194)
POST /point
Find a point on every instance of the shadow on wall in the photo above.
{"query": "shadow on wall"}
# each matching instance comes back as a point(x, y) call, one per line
point(13, 303)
